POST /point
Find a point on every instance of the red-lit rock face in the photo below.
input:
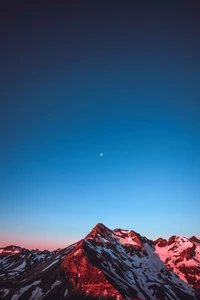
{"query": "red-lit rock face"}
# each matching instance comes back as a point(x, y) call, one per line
point(107, 264)
point(85, 277)
point(182, 256)
point(160, 242)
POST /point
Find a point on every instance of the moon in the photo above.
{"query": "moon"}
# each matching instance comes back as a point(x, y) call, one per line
point(101, 154)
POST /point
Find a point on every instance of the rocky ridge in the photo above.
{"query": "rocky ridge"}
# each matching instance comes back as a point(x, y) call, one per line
point(106, 264)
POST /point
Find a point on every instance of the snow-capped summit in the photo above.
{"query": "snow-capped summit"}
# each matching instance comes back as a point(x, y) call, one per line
point(106, 264)
point(182, 256)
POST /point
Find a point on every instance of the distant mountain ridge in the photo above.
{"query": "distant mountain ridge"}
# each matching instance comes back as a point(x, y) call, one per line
point(107, 264)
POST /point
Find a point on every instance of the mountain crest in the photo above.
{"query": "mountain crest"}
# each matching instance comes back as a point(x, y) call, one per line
point(99, 230)
point(194, 239)
point(107, 264)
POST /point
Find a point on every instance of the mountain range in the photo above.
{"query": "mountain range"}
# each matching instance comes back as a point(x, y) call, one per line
point(106, 264)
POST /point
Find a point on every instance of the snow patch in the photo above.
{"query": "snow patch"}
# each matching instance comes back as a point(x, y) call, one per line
point(24, 289)
point(5, 292)
point(40, 256)
point(77, 252)
point(20, 267)
point(36, 294)
point(57, 282)
point(66, 292)
point(50, 265)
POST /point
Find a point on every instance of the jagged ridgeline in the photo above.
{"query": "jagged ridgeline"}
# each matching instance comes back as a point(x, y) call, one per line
point(106, 264)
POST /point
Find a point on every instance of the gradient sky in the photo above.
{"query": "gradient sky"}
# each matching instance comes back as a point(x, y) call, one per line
point(83, 77)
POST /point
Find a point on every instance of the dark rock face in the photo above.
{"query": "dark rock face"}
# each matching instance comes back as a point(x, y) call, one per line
point(160, 242)
point(194, 239)
point(106, 264)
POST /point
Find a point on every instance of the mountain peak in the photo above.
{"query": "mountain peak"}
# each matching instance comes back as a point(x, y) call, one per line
point(101, 226)
point(108, 264)
point(11, 249)
point(99, 229)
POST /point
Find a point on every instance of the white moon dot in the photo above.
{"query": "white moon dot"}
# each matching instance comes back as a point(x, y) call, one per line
point(101, 154)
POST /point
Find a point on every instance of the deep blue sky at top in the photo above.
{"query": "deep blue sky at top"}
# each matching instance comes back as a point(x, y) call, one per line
point(83, 77)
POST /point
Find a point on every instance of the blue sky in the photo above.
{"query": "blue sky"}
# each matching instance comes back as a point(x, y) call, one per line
point(122, 80)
